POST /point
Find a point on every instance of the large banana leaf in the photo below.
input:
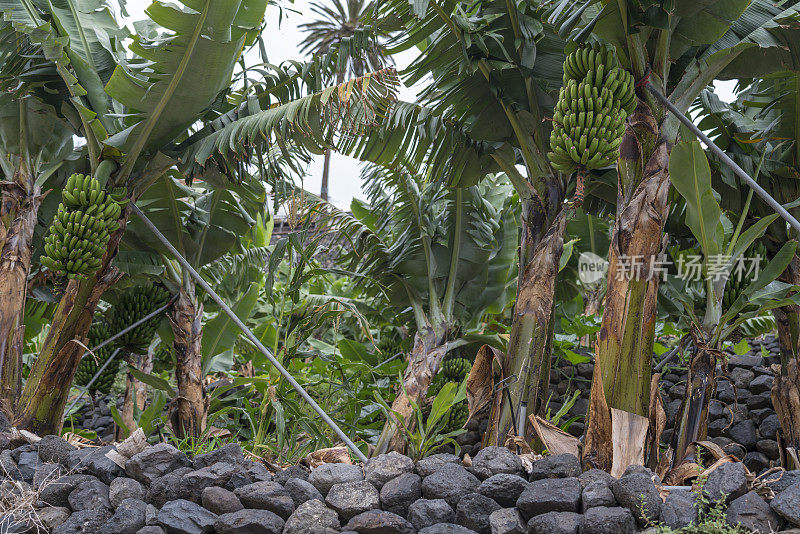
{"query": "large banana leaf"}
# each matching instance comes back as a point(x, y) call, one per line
point(178, 74)
point(691, 175)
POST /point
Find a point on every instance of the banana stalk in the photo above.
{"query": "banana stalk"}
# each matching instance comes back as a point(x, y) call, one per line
point(190, 408)
point(623, 358)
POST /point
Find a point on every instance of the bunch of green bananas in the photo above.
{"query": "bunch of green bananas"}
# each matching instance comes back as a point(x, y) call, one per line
point(90, 363)
point(452, 370)
point(78, 236)
point(589, 118)
point(737, 284)
point(132, 305)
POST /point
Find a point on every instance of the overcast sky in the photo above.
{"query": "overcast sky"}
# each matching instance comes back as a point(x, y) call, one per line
point(282, 42)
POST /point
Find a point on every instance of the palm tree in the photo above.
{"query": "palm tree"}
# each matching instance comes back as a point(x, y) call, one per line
point(340, 24)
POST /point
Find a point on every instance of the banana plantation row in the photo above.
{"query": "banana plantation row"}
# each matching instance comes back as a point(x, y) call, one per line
point(536, 204)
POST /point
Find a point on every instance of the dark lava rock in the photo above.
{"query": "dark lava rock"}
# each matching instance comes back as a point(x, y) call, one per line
point(194, 482)
point(445, 528)
point(185, 517)
point(769, 426)
point(293, 471)
point(430, 464)
point(385, 467)
point(755, 461)
point(46, 473)
point(220, 500)
point(787, 504)
point(56, 493)
point(745, 433)
point(637, 492)
point(781, 481)
point(94, 462)
point(124, 488)
point(473, 512)
point(27, 463)
point(302, 491)
point(353, 498)
point(54, 449)
point(231, 453)
point(761, 384)
point(249, 522)
point(427, 512)
point(753, 513)
point(769, 448)
point(398, 493)
point(326, 475)
point(312, 516)
point(494, 460)
point(89, 495)
point(53, 516)
point(555, 523)
point(679, 509)
point(594, 475)
point(8, 467)
point(744, 360)
point(84, 522)
point(503, 488)
point(557, 466)
point(379, 522)
point(155, 462)
point(507, 521)
point(602, 520)
point(267, 496)
point(151, 529)
point(247, 473)
point(129, 517)
point(597, 494)
point(728, 479)
point(450, 482)
point(166, 488)
point(552, 495)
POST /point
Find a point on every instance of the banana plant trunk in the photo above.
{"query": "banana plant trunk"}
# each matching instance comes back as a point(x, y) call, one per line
point(620, 395)
point(427, 354)
point(526, 366)
point(786, 387)
point(18, 212)
point(692, 421)
point(41, 405)
point(135, 391)
point(190, 408)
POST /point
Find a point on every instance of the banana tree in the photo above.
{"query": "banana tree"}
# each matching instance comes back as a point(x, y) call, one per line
point(494, 76)
point(209, 226)
point(676, 48)
point(35, 144)
point(723, 269)
point(761, 125)
point(129, 106)
point(446, 254)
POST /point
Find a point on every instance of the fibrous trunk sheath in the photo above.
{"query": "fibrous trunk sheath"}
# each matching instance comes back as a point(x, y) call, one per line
point(786, 387)
point(625, 341)
point(425, 358)
point(18, 213)
point(191, 405)
point(41, 406)
point(528, 360)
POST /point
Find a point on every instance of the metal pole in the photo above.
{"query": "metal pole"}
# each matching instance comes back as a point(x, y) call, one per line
point(85, 389)
point(246, 331)
point(738, 171)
